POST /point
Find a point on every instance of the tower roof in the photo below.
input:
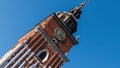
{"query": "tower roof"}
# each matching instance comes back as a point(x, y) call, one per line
point(70, 18)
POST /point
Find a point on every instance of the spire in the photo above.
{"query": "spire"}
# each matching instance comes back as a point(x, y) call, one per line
point(77, 10)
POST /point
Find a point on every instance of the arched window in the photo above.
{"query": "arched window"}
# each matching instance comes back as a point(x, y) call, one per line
point(43, 55)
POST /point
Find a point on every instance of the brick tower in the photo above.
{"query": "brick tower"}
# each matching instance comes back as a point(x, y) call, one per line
point(46, 45)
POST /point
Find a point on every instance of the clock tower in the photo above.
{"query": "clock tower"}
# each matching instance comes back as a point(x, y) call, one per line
point(47, 44)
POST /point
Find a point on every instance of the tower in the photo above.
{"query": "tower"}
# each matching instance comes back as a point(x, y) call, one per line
point(46, 45)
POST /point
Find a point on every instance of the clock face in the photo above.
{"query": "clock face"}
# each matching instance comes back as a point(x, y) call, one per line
point(60, 34)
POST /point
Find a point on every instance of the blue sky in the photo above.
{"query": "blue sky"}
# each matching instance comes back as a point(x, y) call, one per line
point(98, 27)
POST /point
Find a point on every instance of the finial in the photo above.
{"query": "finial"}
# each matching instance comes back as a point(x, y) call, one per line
point(76, 11)
point(83, 4)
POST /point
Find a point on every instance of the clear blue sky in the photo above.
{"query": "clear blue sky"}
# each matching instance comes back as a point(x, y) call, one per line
point(99, 28)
